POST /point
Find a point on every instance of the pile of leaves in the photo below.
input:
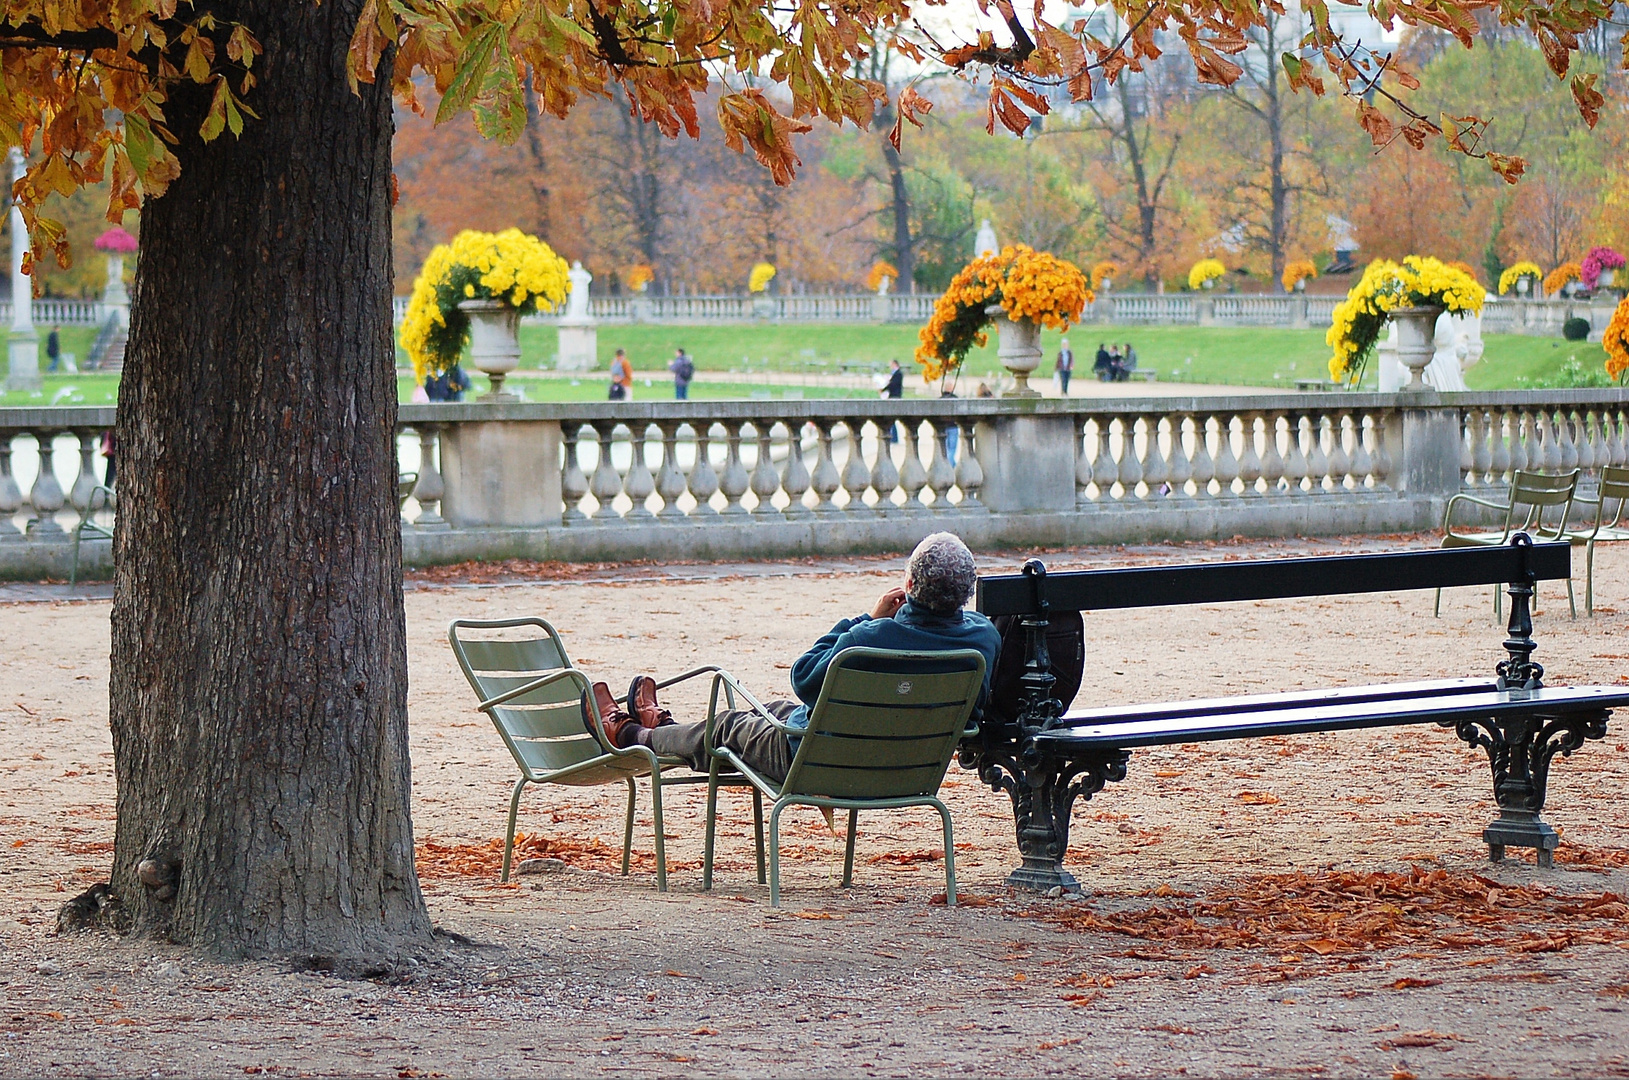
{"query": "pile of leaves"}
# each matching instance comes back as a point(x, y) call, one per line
point(1343, 914)
point(436, 860)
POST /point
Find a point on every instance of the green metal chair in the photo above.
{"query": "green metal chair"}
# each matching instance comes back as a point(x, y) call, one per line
point(1609, 527)
point(101, 498)
point(533, 694)
point(1531, 495)
point(880, 737)
point(405, 483)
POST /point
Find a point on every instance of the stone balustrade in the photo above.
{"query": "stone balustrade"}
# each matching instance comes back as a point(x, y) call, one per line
point(707, 479)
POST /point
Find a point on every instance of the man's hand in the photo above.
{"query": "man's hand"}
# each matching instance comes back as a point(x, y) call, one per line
point(890, 602)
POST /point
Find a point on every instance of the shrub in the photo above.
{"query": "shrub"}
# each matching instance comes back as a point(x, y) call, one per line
point(1575, 329)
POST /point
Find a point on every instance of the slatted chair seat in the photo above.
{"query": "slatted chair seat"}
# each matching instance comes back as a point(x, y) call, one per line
point(880, 737)
point(1611, 504)
point(535, 697)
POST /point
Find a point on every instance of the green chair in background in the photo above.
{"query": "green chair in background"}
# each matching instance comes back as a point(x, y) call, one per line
point(1539, 506)
point(528, 686)
point(101, 498)
point(1610, 524)
point(880, 737)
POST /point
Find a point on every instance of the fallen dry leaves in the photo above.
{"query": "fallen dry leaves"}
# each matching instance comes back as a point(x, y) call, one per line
point(1339, 913)
point(438, 860)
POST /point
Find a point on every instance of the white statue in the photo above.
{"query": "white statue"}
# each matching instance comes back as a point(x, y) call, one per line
point(577, 301)
point(1468, 332)
point(985, 243)
point(882, 285)
point(1446, 369)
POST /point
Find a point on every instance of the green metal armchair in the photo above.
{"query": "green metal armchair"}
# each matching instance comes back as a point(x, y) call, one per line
point(1539, 506)
point(534, 696)
point(1611, 525)
point(880, 737)
point(101, 498)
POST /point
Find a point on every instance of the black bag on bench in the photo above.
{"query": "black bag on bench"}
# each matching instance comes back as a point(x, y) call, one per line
point(1065, 647)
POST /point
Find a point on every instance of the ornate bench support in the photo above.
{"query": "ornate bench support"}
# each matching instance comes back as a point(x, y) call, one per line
point(1043, 787)
point(1520, 748)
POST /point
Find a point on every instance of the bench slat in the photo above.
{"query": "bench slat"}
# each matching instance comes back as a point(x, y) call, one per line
point(1339, 717)
point(1274, 579)
point(1294, 699)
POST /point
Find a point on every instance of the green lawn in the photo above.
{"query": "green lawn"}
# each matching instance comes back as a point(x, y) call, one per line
point(1244, 356)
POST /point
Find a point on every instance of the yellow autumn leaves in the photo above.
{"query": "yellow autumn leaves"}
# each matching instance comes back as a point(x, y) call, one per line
point(509, 267)
point(1025, 283)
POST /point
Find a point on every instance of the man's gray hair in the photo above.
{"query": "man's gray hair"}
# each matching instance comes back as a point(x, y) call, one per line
point(942, 573)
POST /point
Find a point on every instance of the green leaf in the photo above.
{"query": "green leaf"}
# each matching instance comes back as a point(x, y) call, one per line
point(138, 142)
point(215, 121)
point(471, 73)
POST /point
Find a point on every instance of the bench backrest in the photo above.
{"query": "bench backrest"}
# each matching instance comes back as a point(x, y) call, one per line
point(1270, 579)
point(886, 723)
point(544, 728)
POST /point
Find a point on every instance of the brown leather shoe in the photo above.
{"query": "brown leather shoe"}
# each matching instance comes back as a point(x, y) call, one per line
point(617, 725)
point(642, 703)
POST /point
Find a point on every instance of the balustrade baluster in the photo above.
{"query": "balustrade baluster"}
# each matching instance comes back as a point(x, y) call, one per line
point(1083, 464)
point(1250, 460)
point(825, 480)
point(1130, 470)
point(669, 480)
point(734, 482)
point(1295, 462)
point(703, 481)
point(1272, 462)
point(1204, 466)
point(1586, 440)
point(856, 473)
point(941, 477)
point(1566, 448)
point(795, 476)
point(1362, 460)
point(885, 476)
point(765, 481)
point(1467, 448)
point(1548, 437)
point(1181, 470)
point(1104, 469)
point(1500, 470)
point(1227, 463)
point(79, 495)
point(573, 484)
point(639, 485)
point(1340, 462)
point(1521, 434)
point(912, 476)
point(429, 489)
point(969, 475)
point(1317, 456)
point(1382, 455)
point(46, 496)
point(1154, 469)
point(606, 483)
point(1620, 437)
point(11, 497)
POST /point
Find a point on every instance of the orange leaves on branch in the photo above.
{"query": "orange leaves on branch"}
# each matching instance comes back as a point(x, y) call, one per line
point(1590, 101)
point(748, 119)
point(1372, 120)
point(909, 107)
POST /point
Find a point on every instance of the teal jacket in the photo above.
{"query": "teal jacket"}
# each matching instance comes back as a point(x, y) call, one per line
point(912, 628)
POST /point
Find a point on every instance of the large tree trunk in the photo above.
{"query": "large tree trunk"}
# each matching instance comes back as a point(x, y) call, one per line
point(259, 674)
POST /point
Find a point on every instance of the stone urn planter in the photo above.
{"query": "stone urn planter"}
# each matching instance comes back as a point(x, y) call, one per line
point(494, 344)
point(1018, 348)
point(1416, 334)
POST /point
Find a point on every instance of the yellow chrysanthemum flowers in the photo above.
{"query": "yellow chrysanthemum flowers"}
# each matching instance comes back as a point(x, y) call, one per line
point(1419, 281)
point(1513, 274)
point(1616, 342)
point(762, 274)
point(1205, 270)
point(510, 267)
point(1025, 283)
point(1561, 276)
point(1104, 271)
point(1297, 271)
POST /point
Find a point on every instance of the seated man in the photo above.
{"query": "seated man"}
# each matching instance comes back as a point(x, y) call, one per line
point(925, 616)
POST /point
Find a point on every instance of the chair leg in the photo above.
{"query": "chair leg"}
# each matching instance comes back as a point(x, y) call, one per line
point(1436, 611)
point(712, 821)
point(509, 833)
point(950, 854)
point(627, 826)
point(1572, 604)
point(1499, 603)
point(758, 829)
point(775, 853)
point(848, 853)
point(656, 818)
point(1589, 579)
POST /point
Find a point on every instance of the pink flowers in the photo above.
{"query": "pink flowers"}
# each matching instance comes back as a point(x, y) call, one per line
point(120, 242)
point(1597, 260)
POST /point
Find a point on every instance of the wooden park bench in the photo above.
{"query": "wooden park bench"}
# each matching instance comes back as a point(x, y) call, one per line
point(1046, 757)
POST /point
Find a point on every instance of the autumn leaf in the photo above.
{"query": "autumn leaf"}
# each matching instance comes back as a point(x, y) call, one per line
point(1380, 129)
point(748, 119)
point(1588, 98)
point(908, 108)
point(1411, 983)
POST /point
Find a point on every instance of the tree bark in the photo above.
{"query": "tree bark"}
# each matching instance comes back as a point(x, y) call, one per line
point(259, 669)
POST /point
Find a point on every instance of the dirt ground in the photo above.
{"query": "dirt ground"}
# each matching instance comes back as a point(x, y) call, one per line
point(1316, 905)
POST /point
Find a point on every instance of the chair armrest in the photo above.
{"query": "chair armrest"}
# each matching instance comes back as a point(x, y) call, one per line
point(722, 678)
point(584, 686)
point(705, 669)
point(1448, 511)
